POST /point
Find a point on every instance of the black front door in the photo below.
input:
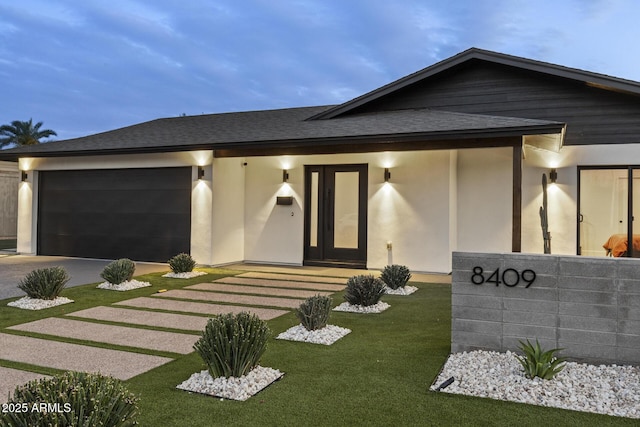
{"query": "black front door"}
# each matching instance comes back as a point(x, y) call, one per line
point(336, 215)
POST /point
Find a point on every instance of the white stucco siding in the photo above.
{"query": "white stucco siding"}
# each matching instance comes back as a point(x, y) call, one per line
point(484, 200)
point(226, 233)
point(411, 211)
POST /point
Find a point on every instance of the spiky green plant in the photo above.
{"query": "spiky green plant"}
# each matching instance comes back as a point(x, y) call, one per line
point(44, 283)
point(314, 312)
point(364, 290)
point(119, 271)
point(538, 362)
point(79, 399)
point(182, 263)
point(395, 276)
point(231, 345)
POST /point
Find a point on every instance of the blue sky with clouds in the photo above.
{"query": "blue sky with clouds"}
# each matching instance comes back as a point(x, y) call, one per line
point(89, 66)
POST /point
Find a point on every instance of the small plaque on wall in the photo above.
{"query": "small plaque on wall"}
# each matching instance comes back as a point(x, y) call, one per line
point(284, 200)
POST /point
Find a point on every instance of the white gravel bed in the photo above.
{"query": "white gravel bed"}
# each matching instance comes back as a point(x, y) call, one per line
point(604, 389)
point(124, 286)
point(407, 290)
point(233, 388)
point(375, 308)
point(28, 303)
point(327, 335)
point(187, 275)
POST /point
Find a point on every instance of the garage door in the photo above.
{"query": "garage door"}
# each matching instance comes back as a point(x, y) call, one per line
point(141, 214)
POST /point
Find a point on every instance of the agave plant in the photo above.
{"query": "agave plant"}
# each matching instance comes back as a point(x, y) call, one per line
point(539, 363)
point(314, 312)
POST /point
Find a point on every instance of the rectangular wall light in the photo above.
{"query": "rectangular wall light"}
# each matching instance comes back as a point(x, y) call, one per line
point(387, 175)
point(24, 176)
point(200, 172)
point(285, 175)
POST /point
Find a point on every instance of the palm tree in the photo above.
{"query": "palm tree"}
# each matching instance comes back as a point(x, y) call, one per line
point(23, 133)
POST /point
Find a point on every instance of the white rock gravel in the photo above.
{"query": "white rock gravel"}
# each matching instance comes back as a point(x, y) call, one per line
point(327, 335)
point(407, 290)
point(375, 308)
point(604, 389)
point(28, 303)
point(233, 388)
point(124, 286)
point(187, 275)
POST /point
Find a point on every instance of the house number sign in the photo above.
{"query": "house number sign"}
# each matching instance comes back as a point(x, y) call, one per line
point(509, 277)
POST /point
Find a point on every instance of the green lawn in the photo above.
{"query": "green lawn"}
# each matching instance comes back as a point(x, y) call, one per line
point(378, 375)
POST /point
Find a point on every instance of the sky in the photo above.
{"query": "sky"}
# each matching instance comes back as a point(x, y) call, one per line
point(88, 66)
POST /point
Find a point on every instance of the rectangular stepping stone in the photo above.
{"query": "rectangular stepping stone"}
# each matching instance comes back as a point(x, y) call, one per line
point(12, 378)
point(200, 307)
point(294, 277)
point(143, 317)
point(75, 357)
point(231, 298)
point(111, 334)
point(258, 290)
point(280, 283)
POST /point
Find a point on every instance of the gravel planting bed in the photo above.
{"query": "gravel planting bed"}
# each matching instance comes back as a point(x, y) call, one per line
point(124, 286)
point(187, 275)
point(28, 303)
point(327, 335)
point(375, 308)
point(233, 388)
point(604, 389)
point(407, 290)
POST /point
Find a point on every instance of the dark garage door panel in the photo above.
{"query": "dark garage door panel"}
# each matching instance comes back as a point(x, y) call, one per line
point(142, 214)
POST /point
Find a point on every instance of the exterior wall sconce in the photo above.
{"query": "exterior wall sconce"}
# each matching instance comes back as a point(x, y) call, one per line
point(553, 176)
point(387, 175)
point(200, 172)
point(285, 175)
point(24, 176)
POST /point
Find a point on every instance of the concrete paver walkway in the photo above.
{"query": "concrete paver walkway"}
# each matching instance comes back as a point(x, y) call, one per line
point(199, 307)
point(280, 283)
point(232, 298)
point(256, 290)
point(12, 378)
point(144, 317)
point(74, 357)
point(111, 334)
point(294, 277)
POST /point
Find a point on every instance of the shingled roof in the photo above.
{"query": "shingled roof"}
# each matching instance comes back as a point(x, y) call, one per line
point(286, 128)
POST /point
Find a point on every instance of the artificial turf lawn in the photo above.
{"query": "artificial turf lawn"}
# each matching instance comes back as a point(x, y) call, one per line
point(378, 375)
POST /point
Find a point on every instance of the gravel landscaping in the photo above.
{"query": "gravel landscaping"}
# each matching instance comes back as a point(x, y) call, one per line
point(604, 389)
point(407, 290)
point(187, 275)
point(327, 335)
point(124, 286)
point(28, 303)
point(233, 388)
point(375, 308)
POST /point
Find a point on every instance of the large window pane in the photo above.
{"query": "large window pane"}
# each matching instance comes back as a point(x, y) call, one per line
point(346, 210)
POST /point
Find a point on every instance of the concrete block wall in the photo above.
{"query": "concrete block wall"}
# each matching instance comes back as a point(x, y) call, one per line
point(590, 307)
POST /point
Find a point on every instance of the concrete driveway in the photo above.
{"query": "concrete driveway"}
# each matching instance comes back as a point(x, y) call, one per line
point(82, 271)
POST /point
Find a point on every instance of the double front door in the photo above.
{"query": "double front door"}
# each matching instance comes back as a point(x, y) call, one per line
point(336, 215)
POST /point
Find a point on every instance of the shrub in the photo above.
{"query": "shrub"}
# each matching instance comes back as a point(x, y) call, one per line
point(539, 363)
point(395, 276)
point(118, 271)
point(182, 263)
point(313, 313)
point(82, 399)
point(44, 283)
point(231, 345)
point(364, 290)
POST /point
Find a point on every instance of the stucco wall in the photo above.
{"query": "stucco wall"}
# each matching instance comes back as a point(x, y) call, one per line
point(9, 180)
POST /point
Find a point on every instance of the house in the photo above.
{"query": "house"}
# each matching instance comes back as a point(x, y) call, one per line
point(449, 158)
